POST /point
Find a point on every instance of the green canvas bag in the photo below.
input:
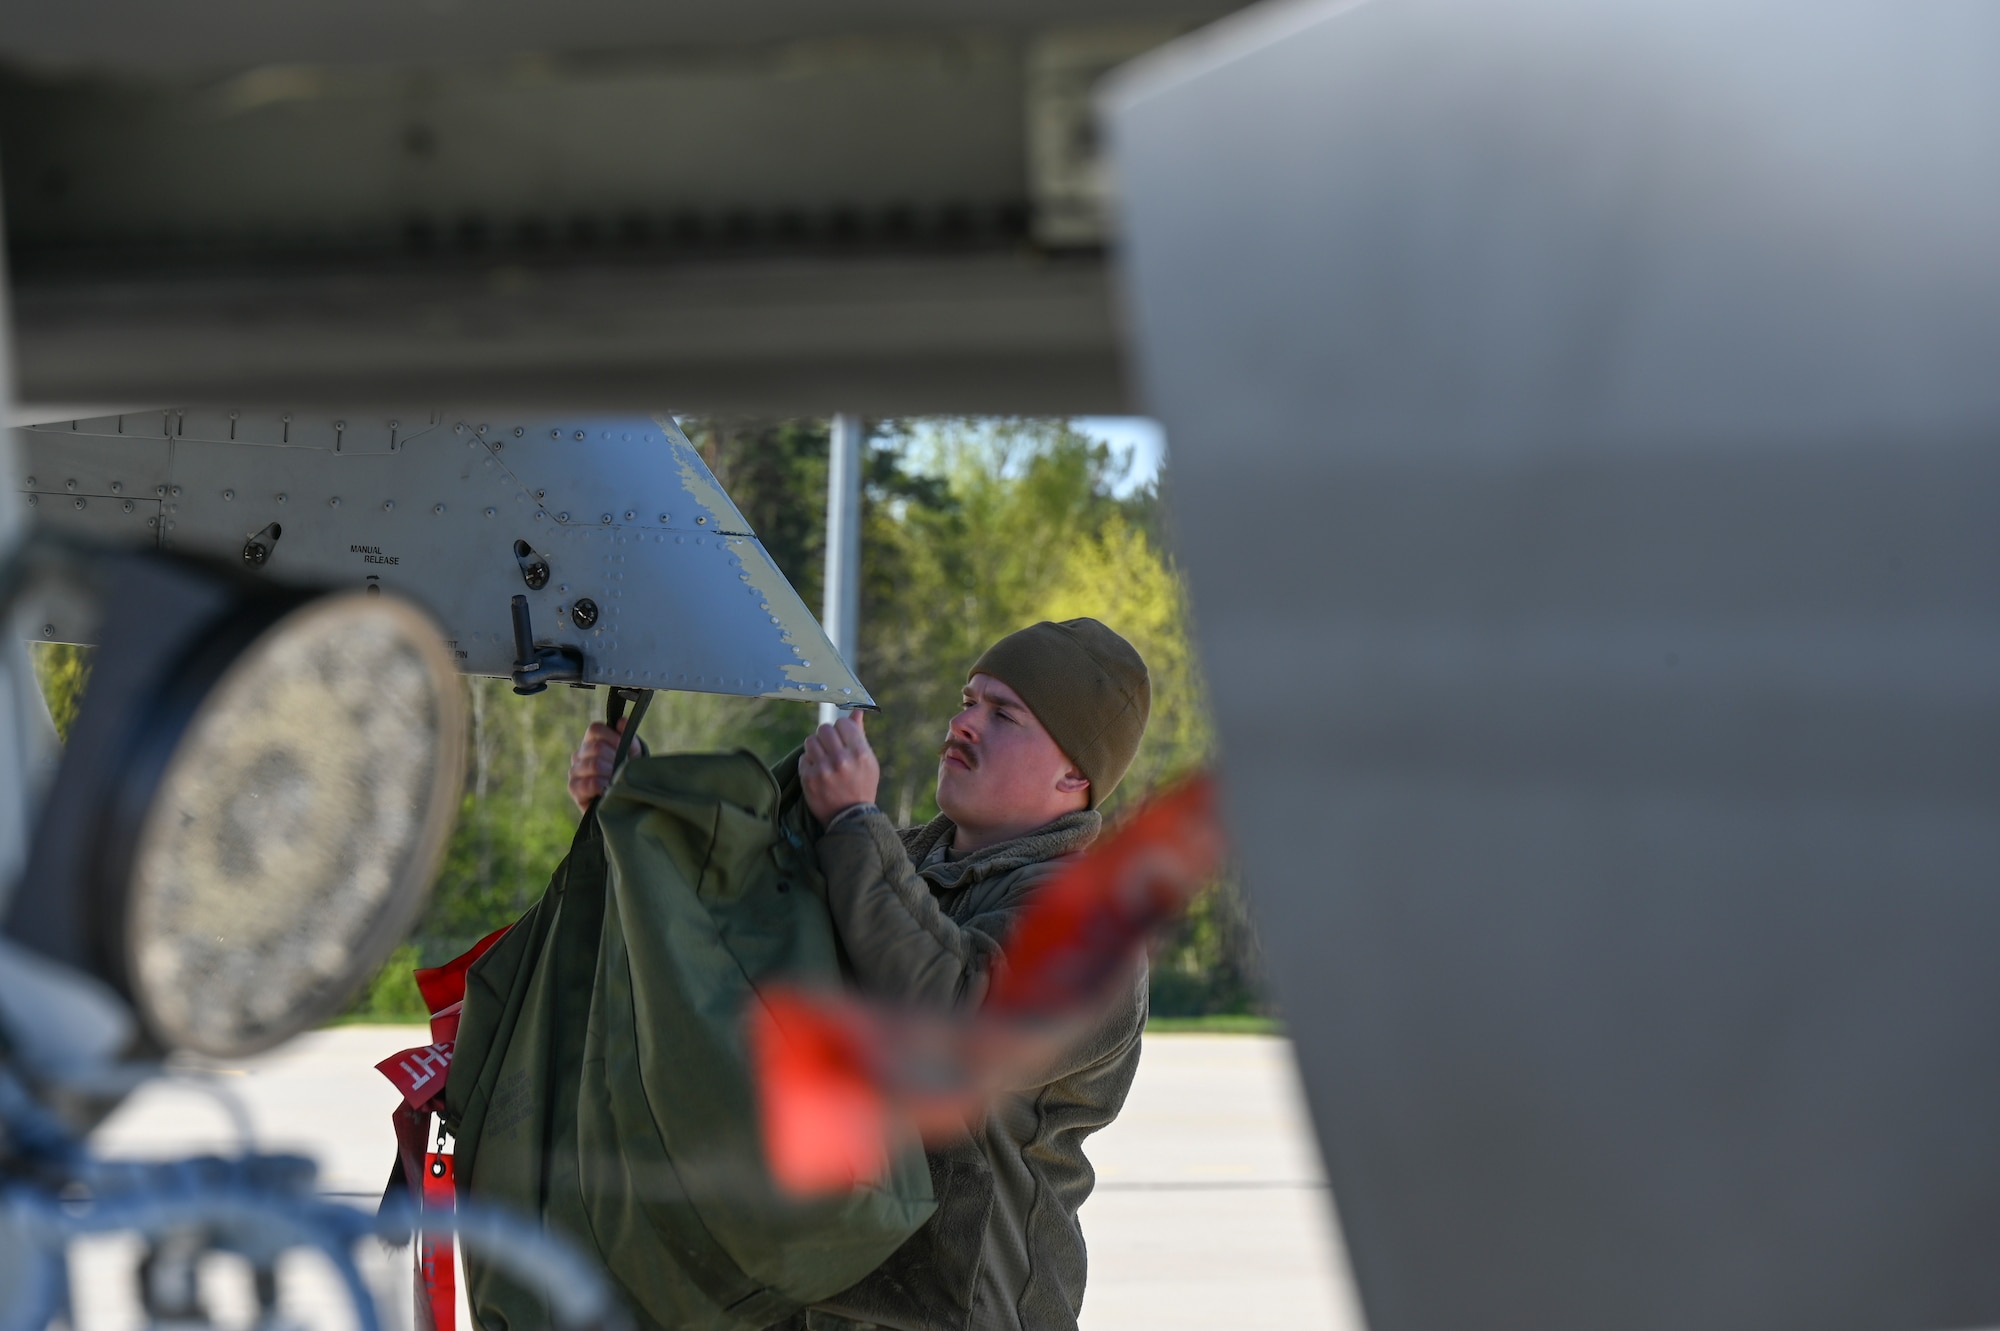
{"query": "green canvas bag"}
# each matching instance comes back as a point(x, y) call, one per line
point(601, 1079)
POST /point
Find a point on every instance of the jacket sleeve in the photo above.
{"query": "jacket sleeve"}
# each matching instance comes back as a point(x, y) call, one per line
point(902, 946)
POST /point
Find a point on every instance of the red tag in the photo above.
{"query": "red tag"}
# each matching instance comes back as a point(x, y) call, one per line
point(444, 1023)
point(418, 1073)
point(444, 985)
point(435, 1265)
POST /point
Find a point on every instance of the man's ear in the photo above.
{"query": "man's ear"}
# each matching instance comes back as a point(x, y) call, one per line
point(1072, 782)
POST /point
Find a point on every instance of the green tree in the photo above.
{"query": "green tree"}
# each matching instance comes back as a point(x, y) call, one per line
point(63, 671)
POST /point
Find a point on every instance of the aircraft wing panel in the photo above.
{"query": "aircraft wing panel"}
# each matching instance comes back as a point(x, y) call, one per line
point(623, 542)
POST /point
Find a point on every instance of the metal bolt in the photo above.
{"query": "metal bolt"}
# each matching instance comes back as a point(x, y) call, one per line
point(437, 508)
point(482, 429)
point(118, 487)
point(388, 506)
point(34, 500)
point(48, 630)
point(229, 494)
point(584, 612)
point(518, 432)
point(77, 502)
point(489, 512)
point(541, 494)
point(333, 502)
point(579, 434)
point(70, 484)
point(458, 428)
point(129, 506)
point(606, 518)
point(628, 515)
point(152, 522)
point(255, 553)
point(562, 517)
point(31, 482)
point(280, 496)
point(701, 522)
point(664, 519)
point(160, 490)
point(176, 491)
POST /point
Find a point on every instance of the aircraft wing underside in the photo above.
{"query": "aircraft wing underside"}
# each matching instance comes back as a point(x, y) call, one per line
point(613, 528)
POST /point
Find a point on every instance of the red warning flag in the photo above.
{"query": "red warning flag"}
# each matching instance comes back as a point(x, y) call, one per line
point(836, 1076)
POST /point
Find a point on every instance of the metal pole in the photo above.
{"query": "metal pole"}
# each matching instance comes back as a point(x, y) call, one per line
point(842, 619)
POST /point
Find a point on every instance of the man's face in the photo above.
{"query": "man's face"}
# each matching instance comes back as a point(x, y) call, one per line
point(999, 768)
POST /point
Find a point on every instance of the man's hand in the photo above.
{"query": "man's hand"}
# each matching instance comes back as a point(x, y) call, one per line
point(590, 769)
point(838, 769)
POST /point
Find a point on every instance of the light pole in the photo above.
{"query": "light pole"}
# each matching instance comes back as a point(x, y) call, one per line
point(842, 619)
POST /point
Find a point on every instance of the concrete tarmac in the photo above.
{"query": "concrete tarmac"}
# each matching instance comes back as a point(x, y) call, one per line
point(1211, 1210)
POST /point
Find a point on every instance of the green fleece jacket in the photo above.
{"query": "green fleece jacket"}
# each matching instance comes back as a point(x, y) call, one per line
point(1004, 1251)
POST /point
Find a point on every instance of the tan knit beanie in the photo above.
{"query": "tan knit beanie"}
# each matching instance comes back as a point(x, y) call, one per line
point(1088, 688)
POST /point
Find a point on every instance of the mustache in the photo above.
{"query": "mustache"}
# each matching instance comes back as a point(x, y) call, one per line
point(962, 749)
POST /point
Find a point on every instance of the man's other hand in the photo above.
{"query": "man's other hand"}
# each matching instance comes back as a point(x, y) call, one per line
point(590, 769)
point(838, 769)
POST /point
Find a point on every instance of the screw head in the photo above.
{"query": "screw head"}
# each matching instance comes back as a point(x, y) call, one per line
point(562, 517)
point(286, 417)
point(701, 522)
point(160, 490)
point(229, 494)
point(128, 506)
point(395, 425)
point(489, 512)
point(70, 484)
point(34, 501)
point(48, 630)
point(388, 506)
point(518, 432)
point(76, 503)
point(579, 434)
point(664, 519)
point(280, 496)
point(233, 415)
point(176, 492)
point(437, 508)
point(333, 502)
point(340, 425)
point(458, 428)
point(118, 487)
point(31, 482)
point(482, 429)
point(584, 612)
point(605, 519)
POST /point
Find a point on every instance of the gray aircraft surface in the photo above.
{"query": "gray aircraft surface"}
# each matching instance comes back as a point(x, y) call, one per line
point(1582, 421)
point(633, 566)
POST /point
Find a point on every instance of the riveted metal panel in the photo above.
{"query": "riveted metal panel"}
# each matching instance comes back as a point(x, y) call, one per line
point(622, 508)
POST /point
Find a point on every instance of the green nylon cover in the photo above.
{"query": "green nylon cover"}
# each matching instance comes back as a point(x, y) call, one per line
point(601, 1077)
